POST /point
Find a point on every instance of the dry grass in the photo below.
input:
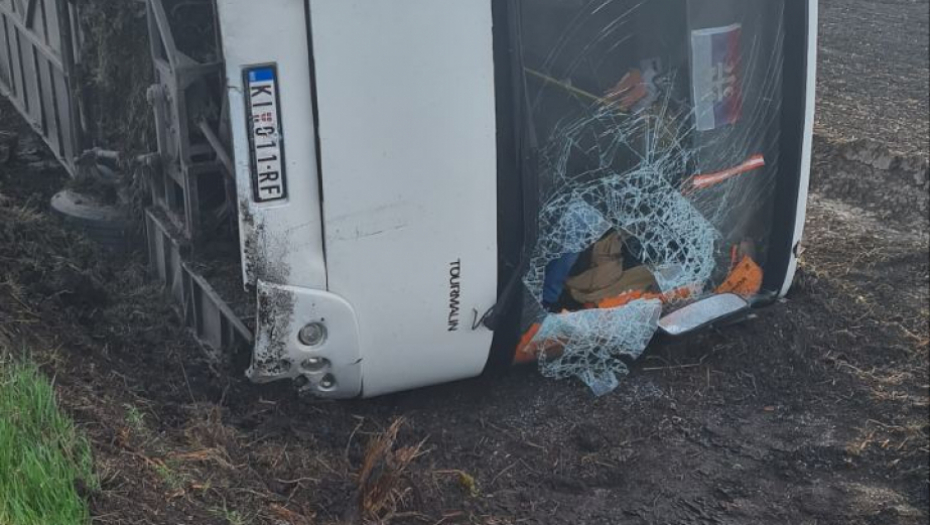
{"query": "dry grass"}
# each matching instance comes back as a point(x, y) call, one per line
point(384, 487)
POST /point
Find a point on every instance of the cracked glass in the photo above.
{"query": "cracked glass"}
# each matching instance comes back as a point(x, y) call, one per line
point(655, 127)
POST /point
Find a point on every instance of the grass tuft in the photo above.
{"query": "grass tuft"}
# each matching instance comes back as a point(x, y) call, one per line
point(43, 459)
point(384, 483)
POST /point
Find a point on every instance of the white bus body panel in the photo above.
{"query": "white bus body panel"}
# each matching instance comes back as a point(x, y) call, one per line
point(407, 128)
point(808, 145)
point(282, 241)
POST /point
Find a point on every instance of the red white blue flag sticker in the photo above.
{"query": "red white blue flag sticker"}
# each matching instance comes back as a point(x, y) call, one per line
point(716, 76)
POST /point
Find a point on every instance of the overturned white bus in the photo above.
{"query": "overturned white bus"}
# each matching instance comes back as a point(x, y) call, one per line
point(412, 192)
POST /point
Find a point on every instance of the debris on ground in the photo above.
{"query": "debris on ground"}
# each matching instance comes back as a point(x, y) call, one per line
point(385, 486)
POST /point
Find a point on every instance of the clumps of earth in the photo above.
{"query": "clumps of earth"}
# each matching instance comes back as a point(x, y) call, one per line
point(868, 174)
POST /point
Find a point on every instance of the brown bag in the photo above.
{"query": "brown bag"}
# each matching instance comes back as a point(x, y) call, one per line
point(606, 278)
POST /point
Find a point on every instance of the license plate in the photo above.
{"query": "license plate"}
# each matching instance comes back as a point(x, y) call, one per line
point(269, 182)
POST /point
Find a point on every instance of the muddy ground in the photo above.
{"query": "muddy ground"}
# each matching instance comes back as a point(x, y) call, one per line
point(814, 413)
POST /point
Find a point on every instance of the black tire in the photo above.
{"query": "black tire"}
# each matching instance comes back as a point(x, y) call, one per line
point(107, 225)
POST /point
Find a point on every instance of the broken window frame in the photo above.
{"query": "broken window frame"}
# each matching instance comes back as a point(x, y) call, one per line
point(519, 151)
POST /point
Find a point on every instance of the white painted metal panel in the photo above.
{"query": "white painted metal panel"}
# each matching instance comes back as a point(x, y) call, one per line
point(408, 150)
point(808, 144)
point(282, 240)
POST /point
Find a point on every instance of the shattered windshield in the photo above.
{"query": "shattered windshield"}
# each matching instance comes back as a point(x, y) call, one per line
point(656, 130)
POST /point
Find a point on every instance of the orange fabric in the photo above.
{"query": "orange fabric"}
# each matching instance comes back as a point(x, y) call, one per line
point(529, 350)
point(625, 299)
point(628, 297)
point(525, 349)
point(745, 280)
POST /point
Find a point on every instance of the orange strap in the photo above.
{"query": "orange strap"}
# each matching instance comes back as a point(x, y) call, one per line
point(711, 179)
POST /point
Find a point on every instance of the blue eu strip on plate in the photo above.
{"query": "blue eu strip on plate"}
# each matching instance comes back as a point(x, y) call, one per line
point(261, 75)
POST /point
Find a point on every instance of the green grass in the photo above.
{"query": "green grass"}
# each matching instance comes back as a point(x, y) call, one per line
point(232, 517)
point(42, 456)
point(135, 418)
